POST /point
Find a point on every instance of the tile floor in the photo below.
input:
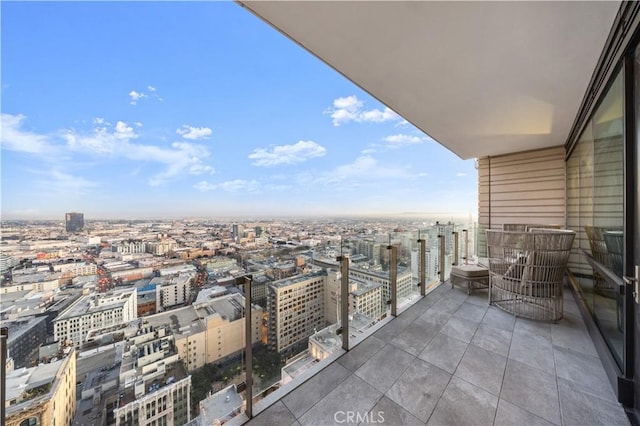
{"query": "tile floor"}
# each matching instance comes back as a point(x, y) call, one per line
point(453, 360)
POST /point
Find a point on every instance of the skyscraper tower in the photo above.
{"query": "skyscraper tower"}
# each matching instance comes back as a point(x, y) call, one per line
point(74, 222)
point(235, 232)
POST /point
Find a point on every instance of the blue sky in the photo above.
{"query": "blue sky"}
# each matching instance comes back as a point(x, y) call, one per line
point(198, 109)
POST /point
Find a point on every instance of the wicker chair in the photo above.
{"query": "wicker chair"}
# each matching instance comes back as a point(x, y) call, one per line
point(526, 271)
point(526, 226)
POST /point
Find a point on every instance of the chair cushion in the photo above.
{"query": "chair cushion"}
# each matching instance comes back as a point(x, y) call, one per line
point(469, 271)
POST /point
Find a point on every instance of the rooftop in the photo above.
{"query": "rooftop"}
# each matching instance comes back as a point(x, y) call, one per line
point(20, 326)
point(173, 374)
point(364, 287)
point(381, 274)
point(296, 279)
point(87, 304)
point(183, 321)
point(473, 363)
point(220, 405)
point(229, 307)
point(206, 294)
point(24, 384)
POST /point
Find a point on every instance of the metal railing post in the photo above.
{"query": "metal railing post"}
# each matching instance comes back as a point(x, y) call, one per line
point(4, 336)
point(423, 269)
point(441, 258)
point(344, 300)
point(393, 272)
point(248, 349)
point(455, 248)
point(466, 247)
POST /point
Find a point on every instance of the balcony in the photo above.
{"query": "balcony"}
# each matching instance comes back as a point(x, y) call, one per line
point(453, 359)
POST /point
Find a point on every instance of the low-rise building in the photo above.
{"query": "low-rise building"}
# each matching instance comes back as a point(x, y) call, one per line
point(162, 247)
point(25, 337)
point(76, 269)
point(174, 291)
point(209, 330)
point(220, 407)
point(42, 395)
point(224, 321)
point(404, 282)
point(366, 298)
point(99, 310)
point(154, 387)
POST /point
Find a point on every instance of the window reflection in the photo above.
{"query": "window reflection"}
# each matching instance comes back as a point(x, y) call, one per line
point(595, 202)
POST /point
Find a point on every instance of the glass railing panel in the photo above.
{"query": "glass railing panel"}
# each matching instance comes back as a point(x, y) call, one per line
point(297, 304)
point(405, 248)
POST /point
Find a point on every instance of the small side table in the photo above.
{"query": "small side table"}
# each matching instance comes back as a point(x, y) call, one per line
point(473, 276)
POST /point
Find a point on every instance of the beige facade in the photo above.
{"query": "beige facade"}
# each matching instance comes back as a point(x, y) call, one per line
point(332, 296)
point(40, 286)
point(169, 405)
point(174, 292)
point(154, 388)
point(219, 332)
point(226, 336)
point(160, 248)
point(192, 349)
point(404, 286)
point(366, 298)
point(296, 309)
point(45, 394)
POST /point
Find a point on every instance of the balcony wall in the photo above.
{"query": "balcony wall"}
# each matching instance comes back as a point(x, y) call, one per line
point(523, 187)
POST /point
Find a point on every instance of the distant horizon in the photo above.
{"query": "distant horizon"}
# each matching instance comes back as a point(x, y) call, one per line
point(413, 216)
point(110, 117)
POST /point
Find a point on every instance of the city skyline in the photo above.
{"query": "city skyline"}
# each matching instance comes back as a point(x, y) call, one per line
point(171, 110)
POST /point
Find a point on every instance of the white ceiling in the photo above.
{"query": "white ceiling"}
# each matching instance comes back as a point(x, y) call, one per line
point(481, 78)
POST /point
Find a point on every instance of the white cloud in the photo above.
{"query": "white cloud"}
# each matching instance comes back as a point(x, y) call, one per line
point(105, 141)
point(228, 186)
point(135, 97)
point(287, 154)
point(13, 138)
point(194, 133)
point(199, 169)
point(364, 170)
point(182, 157)
point(461, 174)
point(403, 140)
point(350, 108)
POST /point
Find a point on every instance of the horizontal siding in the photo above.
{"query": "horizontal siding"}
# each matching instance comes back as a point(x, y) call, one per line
point(525, 187)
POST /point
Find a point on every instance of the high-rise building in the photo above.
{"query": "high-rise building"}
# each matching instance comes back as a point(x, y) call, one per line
point(235, 232)
point(74, 222)
point(296, 309)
